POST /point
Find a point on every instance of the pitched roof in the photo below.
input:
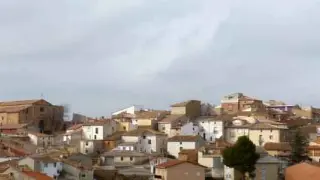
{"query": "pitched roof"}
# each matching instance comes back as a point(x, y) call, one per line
point(44, 158)
point(172, 163)
point(303, 171)
point(172, 118)
point(75, 126)
point(186, 138)
point(13, 109)
point(37, 175)
point(149, 114)
point(21, 102)
point(265, 126)
point(115, 136)
point(142, 131)
point(282, 146)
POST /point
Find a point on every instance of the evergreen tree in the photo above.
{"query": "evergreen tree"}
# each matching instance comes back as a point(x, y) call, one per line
point(299, 144)
point(242, 156)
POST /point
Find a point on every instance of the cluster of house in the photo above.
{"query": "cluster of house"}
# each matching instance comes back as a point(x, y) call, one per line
point(185, 142)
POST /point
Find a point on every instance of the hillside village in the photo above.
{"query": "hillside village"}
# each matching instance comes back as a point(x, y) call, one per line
point(185, 142)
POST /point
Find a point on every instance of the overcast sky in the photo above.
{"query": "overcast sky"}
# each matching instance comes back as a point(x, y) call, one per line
point(101, 56)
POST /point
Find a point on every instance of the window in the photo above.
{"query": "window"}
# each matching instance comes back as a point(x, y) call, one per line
point(271, 130)
point(95, 136)
point(261, 130)
point(144, 137)
point(83, 175)
point(54, 164)
point(163, 128)
point(41, 109)
point(180, 143)
point(149, 141)
point(121, 158)
point(131, 158)
point(181, 148)
point(45, 165)
point(87, 143)
point(211, 138)
point(193, 128)
point(87, 151)
point(97, 130)
point(124, 128)
point(112, 128)
point(271, 137)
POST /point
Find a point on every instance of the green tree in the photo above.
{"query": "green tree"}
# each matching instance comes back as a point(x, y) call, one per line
point(299, 144)
point(241, 156)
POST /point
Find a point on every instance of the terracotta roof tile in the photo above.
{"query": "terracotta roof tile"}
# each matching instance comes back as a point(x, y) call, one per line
point(37, 175)
point(184, 138)
point(283, 146)
point(172, 163)
point(303, 171)
point(16, 103)
point(172, 118)
point(150, 114)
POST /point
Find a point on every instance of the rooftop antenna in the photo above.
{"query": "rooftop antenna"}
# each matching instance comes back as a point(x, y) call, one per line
point(41, 96)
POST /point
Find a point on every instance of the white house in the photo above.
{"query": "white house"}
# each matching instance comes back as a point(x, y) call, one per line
point(147, 140)
point(235, 129)
point(170, 122)
point(90, 146)
point(210, 128)
point(177, 143)
point(39, 139)
point(44, 164)
point(99, 130)
point(129, 110)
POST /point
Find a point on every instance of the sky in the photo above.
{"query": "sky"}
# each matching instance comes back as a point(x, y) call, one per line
point(100, 56)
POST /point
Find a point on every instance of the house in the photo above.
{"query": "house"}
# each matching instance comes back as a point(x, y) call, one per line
point(74, 170)
point(112, 141)
point(191, 108)
point(277, 149)
point(23, 173)
point(44, 164)
point(91, 146)
point(147, 140)
point(156, 160)
point(261, 133)
point(128, 110)
point(236, 128)
point(190, 155)
point(120, 158)
point(178, 143)
point(176, 169)
point(149, 118)
point(189, 128)
point(98, 130)
point(40, 139)
point(210, 128)
point(301, 171)
point(39, 113)
point(170, 122)
point(210, 156)
point(72, 137)
point(238, 102)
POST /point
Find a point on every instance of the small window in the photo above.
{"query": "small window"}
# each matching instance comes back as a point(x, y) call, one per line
point(45, 165)
point(97, 130)
point(144, 137)
point(131, 158)
point(87, 143)
point(121, 158)
point(83, 175)
point(54, 164)
point(181, 148)
point(41, 109)
point(87, 151)
point(95, 136)
point(124, 128)
point(180, 143)
point(271, 130)
point(271, 137)
point(149, 141)
point(163, 128)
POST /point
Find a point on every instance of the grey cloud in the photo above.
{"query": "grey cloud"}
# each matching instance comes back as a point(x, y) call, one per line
point(105, 55)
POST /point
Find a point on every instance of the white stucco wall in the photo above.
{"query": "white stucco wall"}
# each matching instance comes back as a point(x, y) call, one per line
point(232, 134)
point(211, 130)
point(189, 129)
point(173, 148)
point(51, 169)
